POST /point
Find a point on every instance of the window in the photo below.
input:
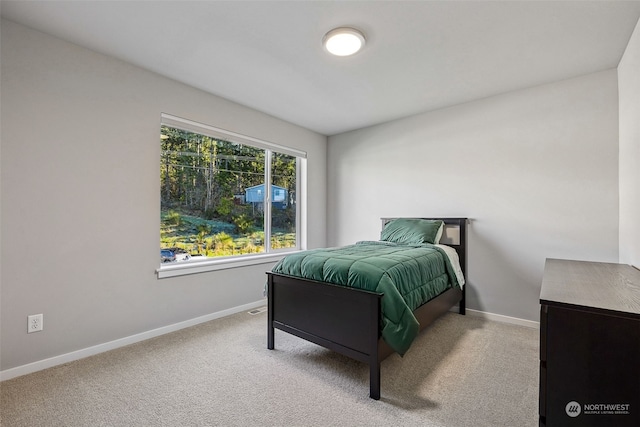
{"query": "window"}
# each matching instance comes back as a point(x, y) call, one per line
point(224, 196)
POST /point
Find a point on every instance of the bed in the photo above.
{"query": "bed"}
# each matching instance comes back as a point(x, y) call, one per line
point(350, 320)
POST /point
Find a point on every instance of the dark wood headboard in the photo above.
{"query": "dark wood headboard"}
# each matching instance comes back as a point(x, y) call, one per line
point(454, 235)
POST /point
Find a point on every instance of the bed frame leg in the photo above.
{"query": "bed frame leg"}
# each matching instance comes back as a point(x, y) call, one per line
point(270, 343)
point(374, 380)
point(374, 352)
point(270, 329)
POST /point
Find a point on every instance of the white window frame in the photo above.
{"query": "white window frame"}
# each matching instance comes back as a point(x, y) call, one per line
point(270, 255)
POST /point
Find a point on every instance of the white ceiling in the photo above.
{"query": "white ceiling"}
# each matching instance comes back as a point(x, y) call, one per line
point(420, 55)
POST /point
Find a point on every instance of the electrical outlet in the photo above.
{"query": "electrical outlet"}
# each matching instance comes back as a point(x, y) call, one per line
point(35, 323)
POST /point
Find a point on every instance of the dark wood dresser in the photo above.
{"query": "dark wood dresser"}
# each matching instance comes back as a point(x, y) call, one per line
point(589, 344)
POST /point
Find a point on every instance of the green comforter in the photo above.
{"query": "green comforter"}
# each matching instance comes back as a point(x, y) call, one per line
point(407, 275)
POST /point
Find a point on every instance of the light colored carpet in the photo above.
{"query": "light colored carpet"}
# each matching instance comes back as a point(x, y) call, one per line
point(462, 371)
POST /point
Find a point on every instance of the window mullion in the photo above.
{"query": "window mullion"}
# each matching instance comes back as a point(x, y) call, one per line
point(298, 204)
point(267, 200)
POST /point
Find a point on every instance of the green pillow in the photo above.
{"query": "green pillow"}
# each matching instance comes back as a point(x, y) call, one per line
point(412, 231)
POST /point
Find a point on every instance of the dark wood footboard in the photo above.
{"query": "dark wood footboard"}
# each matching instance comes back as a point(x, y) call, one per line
point(344, 320)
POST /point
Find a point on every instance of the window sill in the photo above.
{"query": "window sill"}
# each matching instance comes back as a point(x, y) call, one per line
point(212, 264)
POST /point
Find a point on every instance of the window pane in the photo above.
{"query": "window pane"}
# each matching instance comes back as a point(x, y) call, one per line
point(212, 196)
point(283, 201)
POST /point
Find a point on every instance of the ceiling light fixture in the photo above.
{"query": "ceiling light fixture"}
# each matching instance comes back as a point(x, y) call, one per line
point(343, 41)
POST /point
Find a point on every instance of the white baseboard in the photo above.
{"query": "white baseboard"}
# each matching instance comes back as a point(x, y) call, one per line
point(111, 345)
point(100, 348)
point(501, 318)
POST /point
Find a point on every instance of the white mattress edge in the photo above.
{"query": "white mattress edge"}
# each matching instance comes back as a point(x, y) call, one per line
point(455, 262)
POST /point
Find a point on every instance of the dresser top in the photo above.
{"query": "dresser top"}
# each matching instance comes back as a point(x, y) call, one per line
point(598, 285)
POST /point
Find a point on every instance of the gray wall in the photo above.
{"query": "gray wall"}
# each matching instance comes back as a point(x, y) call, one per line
point(629, 89)
point(80, 198)
point(536, 171)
